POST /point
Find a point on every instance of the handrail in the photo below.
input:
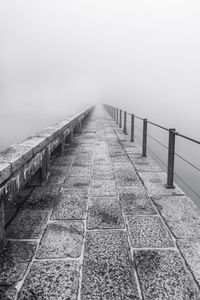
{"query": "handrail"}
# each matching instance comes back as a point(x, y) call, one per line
point(171, 142)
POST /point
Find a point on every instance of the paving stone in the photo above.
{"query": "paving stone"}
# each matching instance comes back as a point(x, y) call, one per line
point(104, 213)
point(123, 165)
point(65, 160)
point(51, 280)
point(102, 160)
point(108, 271)
point(126, 177)
point(181, 215)
point(145, 164)
point(84, 158)
point(101, 188)
point(120, 158)
point(14, 259)
point(163, 275)
point(77, 182)
point(148, 231)
point(43, 197)
point(8, 293)
point(80, 170)
point(62, 239)
point(101, 172)
point(133, 205)
point(155, 184)
point(27, 224)
point(190, 250)
point(72, 205)
point(116, 150)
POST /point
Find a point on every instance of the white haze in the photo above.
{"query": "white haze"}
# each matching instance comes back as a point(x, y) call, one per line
point(59, 56)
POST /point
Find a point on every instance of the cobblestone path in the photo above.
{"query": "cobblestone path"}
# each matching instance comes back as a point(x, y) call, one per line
point(103, 227)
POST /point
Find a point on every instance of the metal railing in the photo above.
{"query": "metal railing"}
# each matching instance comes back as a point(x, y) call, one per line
point(117, 113)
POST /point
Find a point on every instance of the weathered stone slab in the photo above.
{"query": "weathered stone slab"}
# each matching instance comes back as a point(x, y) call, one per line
point(65, 160)
point(101, 172)
point(145, 164)
point(104, 213)
point(83, 159)
point(116, 150)
point(35, 142)
point(14, 259)
point(163, 275)
point(101, 188)
point(190, 250)
point(148, 231)
point(72, 205)
point(27, 224)
point(126, 177)
point(5, 171)
point(120, 158)
point(102, 159)
point(16, 155)
point(181, 215)
point(133, 205)
point(77, 182)
point(43, 197)
point(155, 184)
point(8, 293)
point(108, 271)
point(80, 170)
point(51, 280)
point(62, 239)
point(123, 165)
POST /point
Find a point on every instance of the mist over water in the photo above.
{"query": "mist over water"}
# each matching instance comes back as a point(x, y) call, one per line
point(57, 57)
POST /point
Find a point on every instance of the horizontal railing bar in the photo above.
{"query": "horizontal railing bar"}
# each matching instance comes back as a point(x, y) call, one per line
point(188, 138)
point(184, 159)
point(157, 141)
point(183, 181)
point(162, 127)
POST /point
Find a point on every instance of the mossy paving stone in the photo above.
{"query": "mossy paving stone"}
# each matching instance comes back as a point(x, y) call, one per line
point(51, 280)
point(14, 259)
point(163, 275)
point(43, 197)
point(101, 172)
point(190, 250)
point(104, 213)
point(148, 231)
point(71, 205)
point(126, 177)
point(76, 182)
point(108, 271)
point(27, 224)
point(8, 293)
point(103, 188)
point(181, 215)
point(62, 239)
point(80, 170)
point(155, 183)
point(136, 206)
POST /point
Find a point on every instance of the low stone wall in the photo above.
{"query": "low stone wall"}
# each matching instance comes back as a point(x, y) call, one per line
point(21, 161)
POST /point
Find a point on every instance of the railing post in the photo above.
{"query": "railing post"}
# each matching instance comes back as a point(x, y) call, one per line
point(117, 116)
point(132, 127)
point(125, 127)
point(114, 113)
point(120, 118)
point(144, 141)
point(171, 153)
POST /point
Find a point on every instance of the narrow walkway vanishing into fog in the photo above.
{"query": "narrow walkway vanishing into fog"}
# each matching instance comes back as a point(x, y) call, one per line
point(102, 227)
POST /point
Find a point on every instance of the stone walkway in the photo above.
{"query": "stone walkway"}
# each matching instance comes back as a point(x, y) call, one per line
point(103, 227)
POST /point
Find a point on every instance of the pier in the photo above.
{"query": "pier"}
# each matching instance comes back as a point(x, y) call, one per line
point(86, 214)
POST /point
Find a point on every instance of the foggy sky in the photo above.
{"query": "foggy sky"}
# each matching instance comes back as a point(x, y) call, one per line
point(57, 57)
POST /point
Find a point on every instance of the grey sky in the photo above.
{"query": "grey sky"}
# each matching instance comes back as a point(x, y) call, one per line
point(59, 56)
